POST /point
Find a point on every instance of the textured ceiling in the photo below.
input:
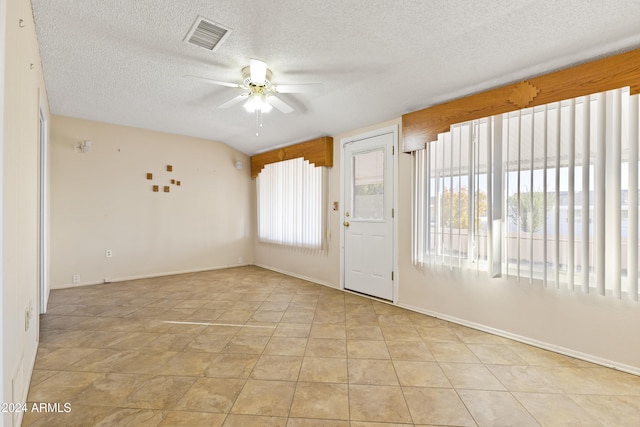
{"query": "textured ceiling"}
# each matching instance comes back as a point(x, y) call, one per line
point(124, 62)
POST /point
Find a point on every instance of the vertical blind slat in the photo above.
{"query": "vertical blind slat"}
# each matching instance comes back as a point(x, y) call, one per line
point(634, 141)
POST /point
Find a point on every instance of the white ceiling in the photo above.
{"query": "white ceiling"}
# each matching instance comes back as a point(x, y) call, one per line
point(124, 61)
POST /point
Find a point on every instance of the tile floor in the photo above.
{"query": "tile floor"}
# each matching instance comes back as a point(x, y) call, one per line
point(250, 347)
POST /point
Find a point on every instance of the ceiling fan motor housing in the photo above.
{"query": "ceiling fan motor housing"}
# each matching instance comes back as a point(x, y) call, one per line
point(246, 78)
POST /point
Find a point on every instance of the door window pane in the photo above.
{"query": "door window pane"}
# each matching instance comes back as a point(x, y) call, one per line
point(368, 185)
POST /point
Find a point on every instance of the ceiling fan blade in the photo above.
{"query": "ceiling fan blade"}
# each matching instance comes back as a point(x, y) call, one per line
point(234, 101)
point(301, 88)
point(215, 82)
point(279, 104)
point(258, 70)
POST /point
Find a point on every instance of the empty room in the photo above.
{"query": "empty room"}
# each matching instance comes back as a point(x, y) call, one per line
point(328, 214)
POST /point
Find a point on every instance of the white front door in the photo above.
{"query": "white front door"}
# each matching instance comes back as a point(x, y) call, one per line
point(368, 215)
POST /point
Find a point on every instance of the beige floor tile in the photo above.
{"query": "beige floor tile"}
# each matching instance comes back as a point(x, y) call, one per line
point(364, 332)
point(192, 419)
point(58, 358)
point(321, 400)
point(420, 374)
point(522, 378)
point(187, 364)
point(62, 387)
point(555, 410)
point(588, 380)
point(474, 336)
point(211, 343)
point(170, 342)
point(144, 362)
point(323, 369)
point(401, 333)
point(159, 392)
point(307, 422)
point(367, 349)
point(266, 316)
point(273, 367)
point(229, 365)
point(211, 395)
point(471, 376)
point(109, 390)
point(377, 403)
point(372, 371)
point(452, 352)
point(254, 421)
point(490, 408)
point(103, 360)
point(437, 406)
point(331, 317)
point(619, 411)
point(321, 347)
point(246, 344)
point(259, 397)
point(328, 331)
point(496, 354)
point(362, 319)
point(540, 357)
point(132, 417)
point(251, 347)
point(235, 316)
point(298, 316)
point(80, 416)
point(292, 330)
point(437, 334)
point(409, 350)
point(286, 346)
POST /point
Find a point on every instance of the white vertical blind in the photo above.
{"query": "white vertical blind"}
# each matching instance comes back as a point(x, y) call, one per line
point(290, 204)
point(546, 194)
point(634, 141)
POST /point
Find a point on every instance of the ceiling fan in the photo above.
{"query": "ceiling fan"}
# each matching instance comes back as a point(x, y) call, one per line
point(259, 92)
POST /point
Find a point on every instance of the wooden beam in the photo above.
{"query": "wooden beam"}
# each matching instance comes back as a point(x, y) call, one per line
point(423, 126)
point(317, 151)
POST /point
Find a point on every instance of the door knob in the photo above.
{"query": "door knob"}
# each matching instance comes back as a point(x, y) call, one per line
point(346, 223)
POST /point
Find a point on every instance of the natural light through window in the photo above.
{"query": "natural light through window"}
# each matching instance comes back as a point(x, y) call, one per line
point(547, 194)
point(291, 204)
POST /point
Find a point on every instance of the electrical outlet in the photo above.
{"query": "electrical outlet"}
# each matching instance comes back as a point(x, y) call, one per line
point(108, 253)
point(75, 279)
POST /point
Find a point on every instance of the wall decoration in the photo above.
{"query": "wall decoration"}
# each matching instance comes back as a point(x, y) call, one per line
point(165, 188)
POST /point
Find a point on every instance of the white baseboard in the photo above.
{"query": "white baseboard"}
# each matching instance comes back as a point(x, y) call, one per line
point(298, 276)
point(148, 276)
point(525, 340)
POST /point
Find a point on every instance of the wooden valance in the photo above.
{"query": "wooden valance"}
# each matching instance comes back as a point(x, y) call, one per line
point(613, 72)
point(318, 151)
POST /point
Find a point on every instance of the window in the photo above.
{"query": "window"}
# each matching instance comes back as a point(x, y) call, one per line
point(291, 204)
point(547, 193)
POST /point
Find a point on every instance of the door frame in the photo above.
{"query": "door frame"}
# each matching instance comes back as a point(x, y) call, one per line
point(43, 208)
point(343, 203)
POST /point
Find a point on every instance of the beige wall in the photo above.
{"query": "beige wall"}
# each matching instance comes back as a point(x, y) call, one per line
point(102, 200)
point(23, 87)
point(586, 326)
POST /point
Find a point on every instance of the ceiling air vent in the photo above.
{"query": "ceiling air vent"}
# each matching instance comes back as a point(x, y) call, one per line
point(207, 34)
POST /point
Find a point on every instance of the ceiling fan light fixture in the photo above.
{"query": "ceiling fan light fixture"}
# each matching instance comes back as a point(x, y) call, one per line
point(258, 70)
point(257, 102)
